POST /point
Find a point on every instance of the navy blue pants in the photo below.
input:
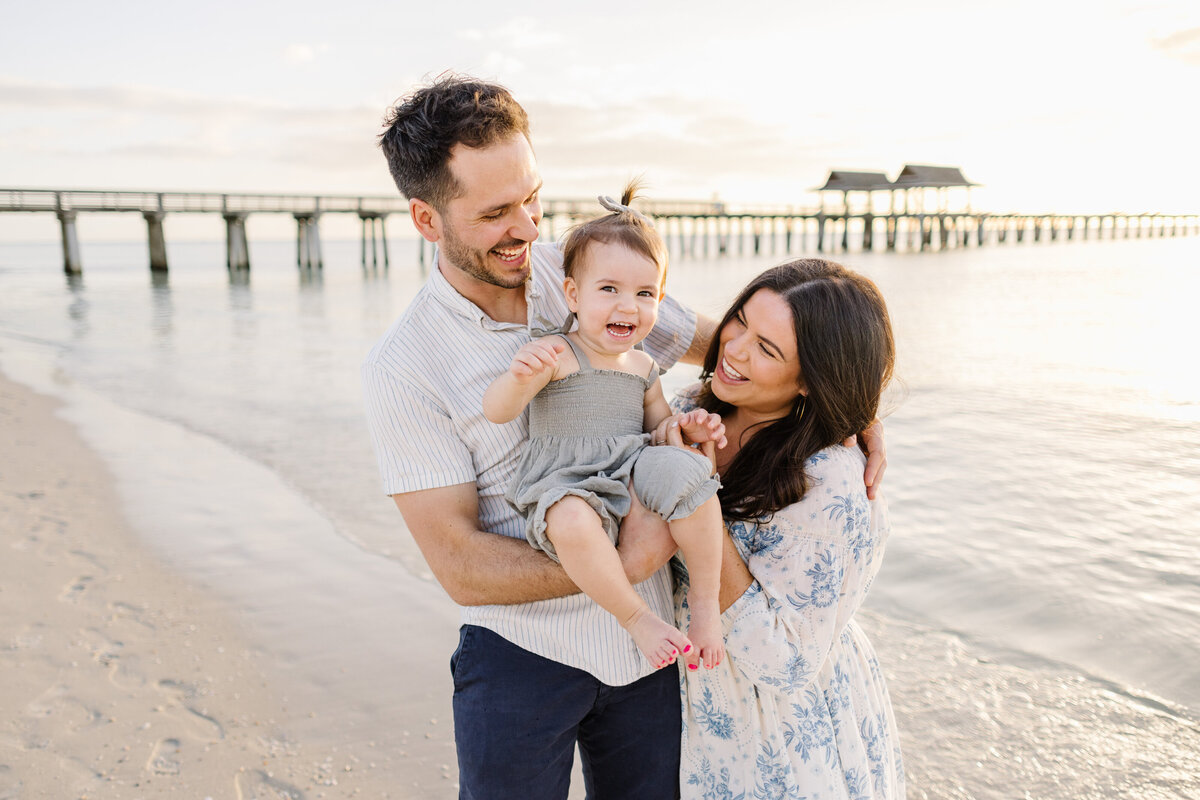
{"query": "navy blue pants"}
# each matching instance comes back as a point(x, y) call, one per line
point(517, 717)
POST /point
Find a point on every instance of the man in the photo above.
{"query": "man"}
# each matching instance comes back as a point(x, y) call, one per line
point(539, 667)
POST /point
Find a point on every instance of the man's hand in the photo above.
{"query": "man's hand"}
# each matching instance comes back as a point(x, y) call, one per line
point(871, 442)
point(645, 542)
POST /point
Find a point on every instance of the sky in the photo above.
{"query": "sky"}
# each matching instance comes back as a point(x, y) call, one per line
point(1052, 105)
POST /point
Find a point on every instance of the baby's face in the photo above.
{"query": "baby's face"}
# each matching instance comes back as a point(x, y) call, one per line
point(614, 294)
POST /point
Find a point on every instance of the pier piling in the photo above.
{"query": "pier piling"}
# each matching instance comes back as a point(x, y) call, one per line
point(156, 240)
point(308, 241)
point(370, 221)
point(237, 251)
point(72, 263)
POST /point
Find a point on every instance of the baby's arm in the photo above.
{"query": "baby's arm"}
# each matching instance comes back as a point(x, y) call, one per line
point(656, 410)
point(534, 365)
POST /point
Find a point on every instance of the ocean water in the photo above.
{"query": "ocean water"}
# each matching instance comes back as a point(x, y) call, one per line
point(1038, 613)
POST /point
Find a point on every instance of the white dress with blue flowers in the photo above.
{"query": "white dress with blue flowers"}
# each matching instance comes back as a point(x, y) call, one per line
point(799, 708)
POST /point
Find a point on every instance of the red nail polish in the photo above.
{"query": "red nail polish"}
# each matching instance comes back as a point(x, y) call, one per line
point(693, 666)
point(687, 649)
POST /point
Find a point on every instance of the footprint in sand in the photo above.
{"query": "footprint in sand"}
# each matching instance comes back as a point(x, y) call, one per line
point(182, 695)
point(68, 712)
point(75, 589)
point(164, 758)
point(107, 653)
point(127, 612)
point(105, 650)
point(258, 785)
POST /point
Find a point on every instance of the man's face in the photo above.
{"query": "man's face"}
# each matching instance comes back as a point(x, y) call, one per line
point(486, 231)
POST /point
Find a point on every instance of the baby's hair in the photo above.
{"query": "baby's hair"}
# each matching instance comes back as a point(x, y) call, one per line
point(627, 228)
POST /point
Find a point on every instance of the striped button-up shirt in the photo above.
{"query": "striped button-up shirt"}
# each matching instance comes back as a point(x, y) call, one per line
point(424, 383)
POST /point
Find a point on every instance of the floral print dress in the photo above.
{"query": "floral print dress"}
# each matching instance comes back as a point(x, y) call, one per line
point(799, 708)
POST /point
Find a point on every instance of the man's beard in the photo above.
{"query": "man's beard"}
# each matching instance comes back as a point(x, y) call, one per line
point(474, 262)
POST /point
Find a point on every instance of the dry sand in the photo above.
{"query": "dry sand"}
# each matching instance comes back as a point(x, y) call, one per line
point(121, 680)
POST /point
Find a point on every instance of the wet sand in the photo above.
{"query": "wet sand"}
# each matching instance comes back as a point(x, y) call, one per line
point(124, 680)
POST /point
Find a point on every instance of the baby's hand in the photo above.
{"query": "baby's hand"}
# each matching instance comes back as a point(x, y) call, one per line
point(535, 358)
point(701, 426)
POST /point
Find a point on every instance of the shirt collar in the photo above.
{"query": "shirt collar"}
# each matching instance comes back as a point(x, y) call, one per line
point(445, 293)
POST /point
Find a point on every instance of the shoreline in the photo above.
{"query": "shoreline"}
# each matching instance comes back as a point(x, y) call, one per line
point(125, 679)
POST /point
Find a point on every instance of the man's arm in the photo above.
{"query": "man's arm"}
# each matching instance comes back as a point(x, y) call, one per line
point(480, 568)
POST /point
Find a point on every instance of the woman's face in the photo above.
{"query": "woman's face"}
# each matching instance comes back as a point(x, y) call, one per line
point(758, 368)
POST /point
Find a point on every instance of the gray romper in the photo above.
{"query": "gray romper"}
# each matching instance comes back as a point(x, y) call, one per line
point(586, 439)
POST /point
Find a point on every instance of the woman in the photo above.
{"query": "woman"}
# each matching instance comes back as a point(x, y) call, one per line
point(799, 708)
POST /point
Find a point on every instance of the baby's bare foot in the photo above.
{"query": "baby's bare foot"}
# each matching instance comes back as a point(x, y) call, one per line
point(659, 642)
point(704, 629)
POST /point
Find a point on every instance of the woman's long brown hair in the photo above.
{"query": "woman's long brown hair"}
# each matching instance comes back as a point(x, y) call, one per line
point(846, 352)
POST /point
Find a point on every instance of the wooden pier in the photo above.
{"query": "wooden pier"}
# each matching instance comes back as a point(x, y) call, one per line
point(233, 208)
point(690, 228)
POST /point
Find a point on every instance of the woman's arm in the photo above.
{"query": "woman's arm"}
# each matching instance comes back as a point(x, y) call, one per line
point(811, 569)
point(735, 575)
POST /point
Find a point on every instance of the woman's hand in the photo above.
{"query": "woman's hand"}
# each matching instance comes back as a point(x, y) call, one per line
point(697, 425)
point(707, 449)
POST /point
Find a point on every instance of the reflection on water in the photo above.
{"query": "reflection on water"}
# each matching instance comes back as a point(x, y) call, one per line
point(239, 276)
point(312, 277)
point(77, 307)
point(162, 311)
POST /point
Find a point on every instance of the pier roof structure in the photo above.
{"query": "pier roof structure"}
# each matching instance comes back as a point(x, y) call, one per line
point(915, 176)
point(843, 180)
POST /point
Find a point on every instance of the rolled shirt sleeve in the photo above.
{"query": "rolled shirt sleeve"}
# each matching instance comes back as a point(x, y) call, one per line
point(672, 334)
point(415, 440)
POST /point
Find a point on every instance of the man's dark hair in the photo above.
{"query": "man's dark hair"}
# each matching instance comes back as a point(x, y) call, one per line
point(421, 129)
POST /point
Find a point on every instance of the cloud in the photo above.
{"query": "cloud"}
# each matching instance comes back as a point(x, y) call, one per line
point(521, 33)
point(44, 96)
point(681, 148)
point(296, 54)
point(115, 101)
point(242, 143)
point(1183, 45)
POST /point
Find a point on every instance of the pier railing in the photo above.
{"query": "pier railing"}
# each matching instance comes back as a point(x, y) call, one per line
point(192, 202)
point(690, 226)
